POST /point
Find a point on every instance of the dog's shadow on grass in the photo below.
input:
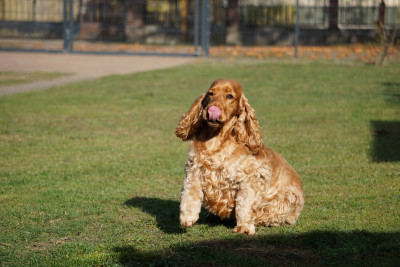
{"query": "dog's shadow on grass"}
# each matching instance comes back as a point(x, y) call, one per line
point(166, 213)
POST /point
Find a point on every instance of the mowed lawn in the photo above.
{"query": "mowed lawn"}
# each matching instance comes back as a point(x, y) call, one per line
point(12, 78)
point(91, 172)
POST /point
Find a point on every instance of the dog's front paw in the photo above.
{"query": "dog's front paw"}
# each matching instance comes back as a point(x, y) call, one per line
point(187, 221)
point(248, 229)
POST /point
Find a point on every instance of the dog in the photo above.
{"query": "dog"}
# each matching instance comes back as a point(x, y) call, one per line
point(229, 169)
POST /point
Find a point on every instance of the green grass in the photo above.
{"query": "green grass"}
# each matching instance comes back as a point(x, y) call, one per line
point(91, 172)
point(11, 77)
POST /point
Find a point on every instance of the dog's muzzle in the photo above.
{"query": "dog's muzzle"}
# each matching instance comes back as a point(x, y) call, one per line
point(214, 113)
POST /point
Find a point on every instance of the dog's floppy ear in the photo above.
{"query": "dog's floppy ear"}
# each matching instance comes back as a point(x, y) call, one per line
point(247, 129)
point(189, 122)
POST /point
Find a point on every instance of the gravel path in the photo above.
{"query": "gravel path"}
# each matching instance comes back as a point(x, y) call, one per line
point(81, 67)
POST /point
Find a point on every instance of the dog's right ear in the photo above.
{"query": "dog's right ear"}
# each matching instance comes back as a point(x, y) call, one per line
point(189, 122)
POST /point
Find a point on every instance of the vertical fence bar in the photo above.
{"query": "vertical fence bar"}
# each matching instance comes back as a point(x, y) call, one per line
point(71, 25)
point(34, 11)
point(203, 26)
point(205, 29)
point(68, 28)
point(65, 30)
point(196, 26)
point(296, 37)
point(208, 25)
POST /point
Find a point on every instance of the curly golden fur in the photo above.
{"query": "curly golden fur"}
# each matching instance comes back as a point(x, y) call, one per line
point(229, 169)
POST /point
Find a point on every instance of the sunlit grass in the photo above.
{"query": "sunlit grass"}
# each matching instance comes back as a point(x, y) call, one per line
point(14, 77)
point(91, 172)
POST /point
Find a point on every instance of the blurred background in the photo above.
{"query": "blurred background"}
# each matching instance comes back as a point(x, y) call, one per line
point(190, 26)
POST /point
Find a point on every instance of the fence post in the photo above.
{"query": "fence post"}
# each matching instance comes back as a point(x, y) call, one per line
point(71, 25)
point(205, 27)
point(65, 29)
point(196, 26)
point(68, 28)
point(296, 37)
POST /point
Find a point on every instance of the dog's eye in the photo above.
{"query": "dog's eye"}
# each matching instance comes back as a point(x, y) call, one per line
point(229, 96)
point(210, 93)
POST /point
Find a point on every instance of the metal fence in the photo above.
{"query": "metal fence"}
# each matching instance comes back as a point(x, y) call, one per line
point(151, 21)
point(313, 13)
point(75, 25)
point(365, 13)
point(265, 22)
point(270, 22)
point(129, 25)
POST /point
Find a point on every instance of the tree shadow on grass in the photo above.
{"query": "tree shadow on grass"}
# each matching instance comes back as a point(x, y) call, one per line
point(386, 134)
point(386, 141)
point(315, 248)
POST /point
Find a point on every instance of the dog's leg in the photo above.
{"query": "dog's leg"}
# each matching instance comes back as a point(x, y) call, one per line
point(191, 199)
point(243, 211)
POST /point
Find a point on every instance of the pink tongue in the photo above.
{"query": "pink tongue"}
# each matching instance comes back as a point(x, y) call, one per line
point(214, 113)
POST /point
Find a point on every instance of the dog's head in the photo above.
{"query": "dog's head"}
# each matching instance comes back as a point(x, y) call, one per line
point(223, 102)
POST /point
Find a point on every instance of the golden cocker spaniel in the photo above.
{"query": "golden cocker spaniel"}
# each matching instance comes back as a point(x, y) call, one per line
point(229, 169)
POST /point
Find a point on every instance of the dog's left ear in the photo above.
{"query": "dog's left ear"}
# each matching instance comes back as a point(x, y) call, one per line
point(247, 129)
